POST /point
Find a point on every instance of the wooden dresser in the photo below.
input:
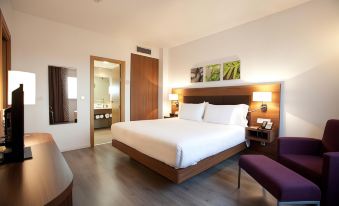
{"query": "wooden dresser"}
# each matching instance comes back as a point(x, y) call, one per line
point(44, 180)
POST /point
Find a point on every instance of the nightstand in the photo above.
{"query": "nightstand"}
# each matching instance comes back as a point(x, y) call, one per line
point(260, 135)
point(262, 142)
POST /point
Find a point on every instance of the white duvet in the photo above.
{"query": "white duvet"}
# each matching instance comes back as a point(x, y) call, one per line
point(177, 142)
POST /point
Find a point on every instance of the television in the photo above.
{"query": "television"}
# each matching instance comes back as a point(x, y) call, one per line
point(14, 130)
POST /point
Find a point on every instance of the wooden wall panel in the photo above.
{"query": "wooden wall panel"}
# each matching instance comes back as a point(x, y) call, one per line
point(273, 112)
point(144, 87)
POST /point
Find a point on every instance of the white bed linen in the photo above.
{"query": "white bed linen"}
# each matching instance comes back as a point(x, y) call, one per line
point(177, 142)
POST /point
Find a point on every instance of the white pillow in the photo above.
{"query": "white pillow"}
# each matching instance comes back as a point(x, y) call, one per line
point(226, 114)
point(191, 111)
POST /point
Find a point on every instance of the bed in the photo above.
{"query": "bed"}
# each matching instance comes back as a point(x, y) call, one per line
point(177, 142)
point(179, 149)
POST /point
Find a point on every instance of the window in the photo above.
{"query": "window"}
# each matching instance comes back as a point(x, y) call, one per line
point(72, 87)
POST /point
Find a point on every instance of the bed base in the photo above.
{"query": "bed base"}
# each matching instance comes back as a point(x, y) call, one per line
point(177, 175)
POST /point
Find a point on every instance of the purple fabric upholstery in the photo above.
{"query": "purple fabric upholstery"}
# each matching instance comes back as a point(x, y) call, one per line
point(299, 145)
point(299, 154)
point(308, 165)
point(331, 136)
point(331, 179)
point(281, 182)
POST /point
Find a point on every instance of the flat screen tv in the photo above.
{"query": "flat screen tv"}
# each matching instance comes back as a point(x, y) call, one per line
point(14, 129)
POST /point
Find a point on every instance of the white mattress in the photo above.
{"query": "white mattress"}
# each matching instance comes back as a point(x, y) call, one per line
point(177, 142)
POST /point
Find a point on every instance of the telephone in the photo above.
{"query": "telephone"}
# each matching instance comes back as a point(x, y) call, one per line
point(263, 125)
point(266, 125)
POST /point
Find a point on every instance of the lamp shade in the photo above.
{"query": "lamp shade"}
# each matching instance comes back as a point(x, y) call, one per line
point(262, 96)
point(15, 78)
point(173, 97)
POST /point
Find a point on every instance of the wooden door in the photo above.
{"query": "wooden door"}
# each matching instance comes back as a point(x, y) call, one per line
point(144, 87)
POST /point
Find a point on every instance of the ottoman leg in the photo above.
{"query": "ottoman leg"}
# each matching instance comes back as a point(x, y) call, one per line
point(239, 175)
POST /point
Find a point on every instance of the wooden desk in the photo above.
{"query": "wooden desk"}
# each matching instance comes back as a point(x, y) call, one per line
point(44, 180)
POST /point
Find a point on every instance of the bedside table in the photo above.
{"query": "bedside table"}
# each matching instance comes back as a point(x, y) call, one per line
point(262, 142)
point(260, 135)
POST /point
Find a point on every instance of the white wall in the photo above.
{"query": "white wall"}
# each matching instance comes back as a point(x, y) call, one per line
point(37, 43)
point(295, 46)
point(7, 11)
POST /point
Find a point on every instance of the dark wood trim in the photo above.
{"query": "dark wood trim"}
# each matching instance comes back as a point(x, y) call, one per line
point(273, 111)
point(177, 175)
point(46, 179)
point(5, 34)
point(122, 90)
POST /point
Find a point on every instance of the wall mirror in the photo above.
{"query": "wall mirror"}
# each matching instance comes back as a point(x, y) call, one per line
point(62, 84)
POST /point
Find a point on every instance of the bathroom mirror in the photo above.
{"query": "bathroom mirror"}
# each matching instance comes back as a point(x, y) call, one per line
point(62, 84)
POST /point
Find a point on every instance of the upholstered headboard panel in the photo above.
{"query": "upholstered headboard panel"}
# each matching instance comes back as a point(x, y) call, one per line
point(219, 100)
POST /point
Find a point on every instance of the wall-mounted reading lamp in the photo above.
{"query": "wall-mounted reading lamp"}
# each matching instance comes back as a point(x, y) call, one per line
point(174, 98)
point(262, 97)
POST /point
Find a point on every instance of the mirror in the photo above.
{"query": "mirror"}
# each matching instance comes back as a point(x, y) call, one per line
point(62, 84)
point(101, 92)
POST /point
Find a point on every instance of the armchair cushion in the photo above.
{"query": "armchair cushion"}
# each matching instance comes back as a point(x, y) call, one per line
point(309, 166)
point(299, 145)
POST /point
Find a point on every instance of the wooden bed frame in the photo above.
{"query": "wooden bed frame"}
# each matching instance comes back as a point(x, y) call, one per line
point(219, 96)
point(177, 175)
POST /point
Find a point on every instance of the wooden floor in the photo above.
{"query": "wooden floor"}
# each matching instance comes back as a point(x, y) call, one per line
point(105, 176)
point(102, 136)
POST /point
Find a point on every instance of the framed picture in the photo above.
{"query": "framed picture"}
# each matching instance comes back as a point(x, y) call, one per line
point(197, 74)
point(269, 125)
point(212, 72)
point(231, 70)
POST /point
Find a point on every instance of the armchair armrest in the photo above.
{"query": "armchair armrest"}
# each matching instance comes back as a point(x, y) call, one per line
point(331, 178)
point(299, 145)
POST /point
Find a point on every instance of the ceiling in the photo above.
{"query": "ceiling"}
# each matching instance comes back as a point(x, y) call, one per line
point(161, 23)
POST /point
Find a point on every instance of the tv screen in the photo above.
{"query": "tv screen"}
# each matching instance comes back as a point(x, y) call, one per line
point(17, 119)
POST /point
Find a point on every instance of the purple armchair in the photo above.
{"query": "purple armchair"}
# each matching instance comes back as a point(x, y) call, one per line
point(317, 160)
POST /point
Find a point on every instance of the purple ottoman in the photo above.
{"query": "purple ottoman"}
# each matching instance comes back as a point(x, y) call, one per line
point(285, 185)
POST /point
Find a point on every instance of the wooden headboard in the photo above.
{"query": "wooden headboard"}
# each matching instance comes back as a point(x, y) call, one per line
point(219, 100)
point(237, 95)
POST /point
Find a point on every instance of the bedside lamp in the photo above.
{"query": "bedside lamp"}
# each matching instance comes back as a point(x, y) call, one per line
point(174, 98)
point(15, 78)
point(262, 97)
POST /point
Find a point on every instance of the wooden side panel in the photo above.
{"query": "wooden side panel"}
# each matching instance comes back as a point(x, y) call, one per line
point(144, 87)
point(177, 175)
point(272, 113)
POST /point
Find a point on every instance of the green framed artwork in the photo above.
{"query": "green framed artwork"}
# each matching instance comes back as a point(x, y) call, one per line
point(231, 70)
point(213, 72)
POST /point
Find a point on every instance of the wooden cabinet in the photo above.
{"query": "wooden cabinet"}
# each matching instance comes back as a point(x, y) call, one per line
point(46, 179)
point(144, 87)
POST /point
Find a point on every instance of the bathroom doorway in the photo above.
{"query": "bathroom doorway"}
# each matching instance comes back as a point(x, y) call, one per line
point(107, 97)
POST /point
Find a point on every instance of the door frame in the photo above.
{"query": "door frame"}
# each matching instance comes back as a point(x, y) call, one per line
point(5, 34)
point(122, 90)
